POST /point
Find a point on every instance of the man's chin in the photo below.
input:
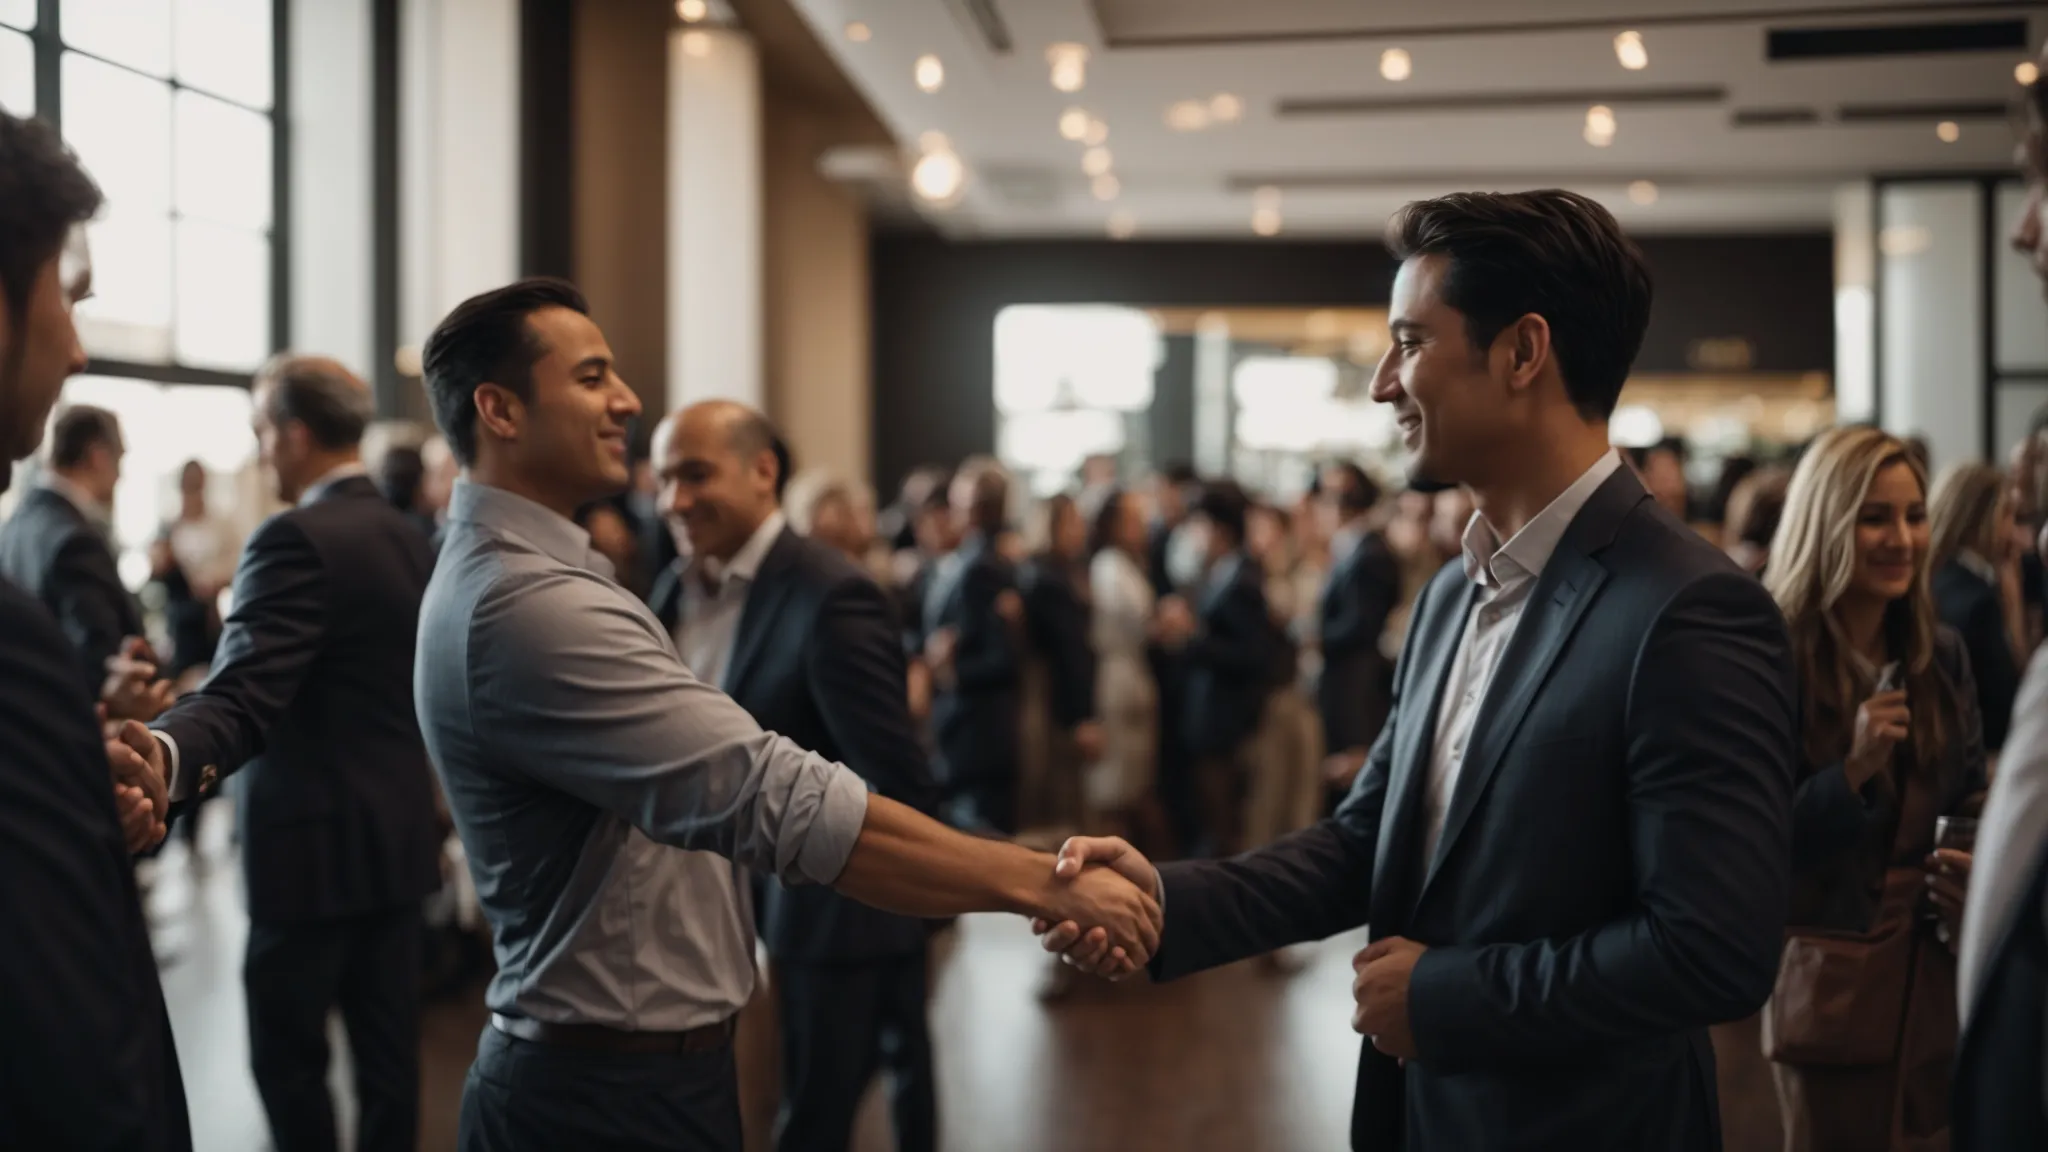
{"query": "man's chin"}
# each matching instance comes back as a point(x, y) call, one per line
point(1424, 476)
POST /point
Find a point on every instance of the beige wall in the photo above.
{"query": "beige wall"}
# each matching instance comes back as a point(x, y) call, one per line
point(620, 195)
point(816, 320)
point(815, 244)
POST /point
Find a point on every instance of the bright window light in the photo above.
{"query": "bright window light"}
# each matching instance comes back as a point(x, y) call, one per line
point(17, 74)
point(1066, 356)
point(1058, 441)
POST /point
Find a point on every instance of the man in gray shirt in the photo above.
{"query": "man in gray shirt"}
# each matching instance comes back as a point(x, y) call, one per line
point(579, 756)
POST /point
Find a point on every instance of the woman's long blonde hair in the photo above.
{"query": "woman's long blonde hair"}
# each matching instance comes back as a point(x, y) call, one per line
point(1813, 560)
point(1965, 510)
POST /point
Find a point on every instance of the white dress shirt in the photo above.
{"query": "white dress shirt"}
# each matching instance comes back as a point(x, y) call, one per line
point(714, 596)
point(1506, 575)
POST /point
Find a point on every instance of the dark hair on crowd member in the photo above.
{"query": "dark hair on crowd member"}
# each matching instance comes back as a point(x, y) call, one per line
point(486, 339)
point(1180, 473)
point(329, 400)
point(1360, 493)
point(44, 194)
point(399, 476)
point(1224, 504)
point(77, 431)
point(1551, 253)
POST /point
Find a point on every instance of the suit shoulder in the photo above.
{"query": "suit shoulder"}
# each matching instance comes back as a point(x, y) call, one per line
point(31, 632)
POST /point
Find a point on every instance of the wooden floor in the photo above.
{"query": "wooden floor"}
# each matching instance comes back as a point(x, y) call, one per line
point(1240, 1058)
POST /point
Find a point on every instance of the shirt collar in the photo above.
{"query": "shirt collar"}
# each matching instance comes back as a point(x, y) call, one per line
point(335, 475)
point(553, 534)
point(1344, 541)
point(1496, 565)
point(1224, 572)
point(746, 562)
point(76, 496)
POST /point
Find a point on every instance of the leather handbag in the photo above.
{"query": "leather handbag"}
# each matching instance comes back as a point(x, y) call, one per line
point(1840, 998)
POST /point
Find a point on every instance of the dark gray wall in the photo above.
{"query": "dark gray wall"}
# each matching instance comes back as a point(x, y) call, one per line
point(935, 304)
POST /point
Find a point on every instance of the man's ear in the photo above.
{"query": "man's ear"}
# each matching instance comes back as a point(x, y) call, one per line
point(498, 410)
point(1527, 346)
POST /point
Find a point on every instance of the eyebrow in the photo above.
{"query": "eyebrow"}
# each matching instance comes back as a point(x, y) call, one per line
point(589, 362)
point(1407, 326)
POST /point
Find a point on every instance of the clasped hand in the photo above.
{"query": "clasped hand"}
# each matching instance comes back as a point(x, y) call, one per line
point(141, 785)
point(1094, 949)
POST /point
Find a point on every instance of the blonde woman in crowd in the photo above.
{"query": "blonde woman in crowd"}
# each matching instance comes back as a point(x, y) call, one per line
point(1862, 1024)
point(1976, 565)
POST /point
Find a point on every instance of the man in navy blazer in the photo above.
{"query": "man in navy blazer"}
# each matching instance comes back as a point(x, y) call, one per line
point(311, 694)
point(1572, 838)
point(86, 1057)
point(810, 646)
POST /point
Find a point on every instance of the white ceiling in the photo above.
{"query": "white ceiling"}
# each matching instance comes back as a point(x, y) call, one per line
point(1540, 63)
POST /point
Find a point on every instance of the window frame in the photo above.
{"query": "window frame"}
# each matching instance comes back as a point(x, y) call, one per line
point(46, 39)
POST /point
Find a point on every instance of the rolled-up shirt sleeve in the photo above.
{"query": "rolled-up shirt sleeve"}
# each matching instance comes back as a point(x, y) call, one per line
point(573, 685)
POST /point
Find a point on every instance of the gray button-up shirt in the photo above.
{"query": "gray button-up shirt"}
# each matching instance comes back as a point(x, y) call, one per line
point(578, 755)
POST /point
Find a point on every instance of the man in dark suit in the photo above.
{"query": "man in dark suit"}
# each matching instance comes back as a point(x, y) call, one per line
point(809, 645)
point(2000, 1099)
point(86, 1057)
point(55, 545)
point(1226, 645)
point(1572, 839)
point(1363, 587)
point(312, 691)
point(973, 640)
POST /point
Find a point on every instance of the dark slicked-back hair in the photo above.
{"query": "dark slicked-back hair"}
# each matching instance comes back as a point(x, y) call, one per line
point(77, 431)
point(486, 340)
point(1555, 254)
point(44, 194)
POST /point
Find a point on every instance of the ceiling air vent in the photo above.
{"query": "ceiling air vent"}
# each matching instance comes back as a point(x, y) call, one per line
point(1895, 40)
point(1773, 117)
point(1925, 111)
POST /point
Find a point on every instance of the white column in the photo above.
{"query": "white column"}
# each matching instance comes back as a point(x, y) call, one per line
point(1212, 396)
point(1855, 302)
point(1931, 316)
point(332, 293)
point(458, 166)
point(714, 218)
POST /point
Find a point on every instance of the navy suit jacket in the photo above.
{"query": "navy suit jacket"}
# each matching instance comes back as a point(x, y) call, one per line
point(1230, 663)
point(818, 657)
point(311, 689)
point(1351, 693)
point(975, 718)
point(1611, 876)
point(1056, 625)
point(86, 1058)
point(49, 548)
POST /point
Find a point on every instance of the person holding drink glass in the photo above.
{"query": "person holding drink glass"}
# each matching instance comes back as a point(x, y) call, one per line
point(1861, 1026)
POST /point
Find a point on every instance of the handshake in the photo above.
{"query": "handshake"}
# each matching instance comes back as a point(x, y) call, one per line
point(1103, 913)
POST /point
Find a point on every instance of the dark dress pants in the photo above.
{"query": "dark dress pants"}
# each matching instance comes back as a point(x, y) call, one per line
point(527, 1097)
point(369, 967)
point(840, 1024)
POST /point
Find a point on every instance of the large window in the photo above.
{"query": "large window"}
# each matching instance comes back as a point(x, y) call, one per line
point(170, 104)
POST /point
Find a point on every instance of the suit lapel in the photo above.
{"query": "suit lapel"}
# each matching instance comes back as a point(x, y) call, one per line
point(1557, 603)
point(1415, 731)
point(764, 600)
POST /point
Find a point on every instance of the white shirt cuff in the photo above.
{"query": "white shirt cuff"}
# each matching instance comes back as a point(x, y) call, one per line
point(181, 788)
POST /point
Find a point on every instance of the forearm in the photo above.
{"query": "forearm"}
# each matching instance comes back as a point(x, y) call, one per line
point(1518, 1006)
point(913, 865)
